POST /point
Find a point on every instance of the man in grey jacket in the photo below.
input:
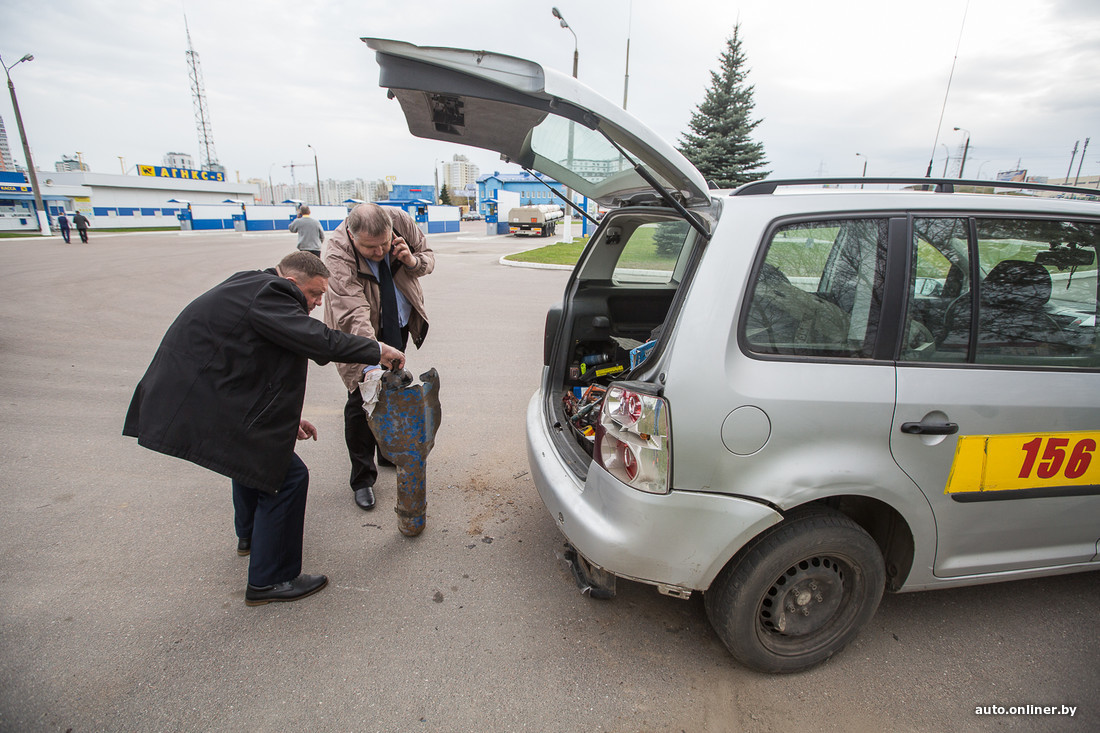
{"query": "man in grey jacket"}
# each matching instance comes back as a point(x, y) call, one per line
point(377, 257)
point(309, 230)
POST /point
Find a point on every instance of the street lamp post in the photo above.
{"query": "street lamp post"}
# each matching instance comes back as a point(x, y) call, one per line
point(861, 155)
point(1083, 151)
point(946, 158)
point(317, 173)
point(40, 210)
point(567, 220)
point(576, 53)
point(966, 147)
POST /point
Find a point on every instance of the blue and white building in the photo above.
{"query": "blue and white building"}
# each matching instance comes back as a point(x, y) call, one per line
point(419, 202)
point(155, 198)
point(17, 209)
point(529, 186)
point(498, 194)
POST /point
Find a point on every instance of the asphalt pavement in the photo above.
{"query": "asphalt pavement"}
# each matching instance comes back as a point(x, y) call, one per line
point(122, 596)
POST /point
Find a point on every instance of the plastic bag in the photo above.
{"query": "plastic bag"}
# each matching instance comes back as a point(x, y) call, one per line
point(369, 388)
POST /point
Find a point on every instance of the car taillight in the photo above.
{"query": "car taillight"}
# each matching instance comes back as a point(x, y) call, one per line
point(632, 439)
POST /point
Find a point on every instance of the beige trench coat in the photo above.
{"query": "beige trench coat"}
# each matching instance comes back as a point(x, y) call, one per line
point(352, 303)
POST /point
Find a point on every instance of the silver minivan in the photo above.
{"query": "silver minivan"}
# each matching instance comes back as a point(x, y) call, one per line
point(798, 394)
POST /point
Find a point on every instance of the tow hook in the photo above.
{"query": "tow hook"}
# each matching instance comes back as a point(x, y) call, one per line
point(592, 581)
point(404, 423)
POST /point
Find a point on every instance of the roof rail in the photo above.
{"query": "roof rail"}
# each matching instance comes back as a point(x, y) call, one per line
point(939, 185)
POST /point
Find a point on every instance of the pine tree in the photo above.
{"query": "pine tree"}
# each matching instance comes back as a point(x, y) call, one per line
point(719, 143)
point(444, 196)
point(669, 238)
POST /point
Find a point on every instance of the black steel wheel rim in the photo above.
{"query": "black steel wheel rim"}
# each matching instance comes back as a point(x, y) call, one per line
point(809, 605)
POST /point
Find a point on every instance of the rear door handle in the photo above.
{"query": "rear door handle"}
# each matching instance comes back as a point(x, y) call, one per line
point(921, 428)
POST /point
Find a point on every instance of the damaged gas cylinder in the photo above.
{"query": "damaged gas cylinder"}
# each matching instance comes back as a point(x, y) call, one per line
point(404, 422)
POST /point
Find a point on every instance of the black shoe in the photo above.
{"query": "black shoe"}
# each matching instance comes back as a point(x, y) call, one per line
point(291, 590)
point(364, 497)
point(244, 546)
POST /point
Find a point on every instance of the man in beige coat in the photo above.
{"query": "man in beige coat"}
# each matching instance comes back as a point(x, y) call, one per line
point(377, 257)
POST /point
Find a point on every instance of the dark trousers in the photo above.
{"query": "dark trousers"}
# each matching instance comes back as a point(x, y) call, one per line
point(83, 235)
point(360, 441)
point(275, 523)
point(359, 438)
point(65, 234)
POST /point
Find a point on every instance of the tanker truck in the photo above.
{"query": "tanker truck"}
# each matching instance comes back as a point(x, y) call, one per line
point(534, 221)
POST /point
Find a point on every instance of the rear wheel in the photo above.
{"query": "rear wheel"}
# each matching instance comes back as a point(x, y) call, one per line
point(798, 593)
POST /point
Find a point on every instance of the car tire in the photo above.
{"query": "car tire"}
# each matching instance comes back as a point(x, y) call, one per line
point(798, 593)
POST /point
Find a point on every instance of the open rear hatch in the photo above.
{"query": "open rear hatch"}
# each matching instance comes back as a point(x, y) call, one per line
point(534, 117)
point(548, 122)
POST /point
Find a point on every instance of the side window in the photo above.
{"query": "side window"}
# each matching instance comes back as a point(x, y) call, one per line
point(939, 284)
point(819, 290)
point(1036, 299)
point(651, 253)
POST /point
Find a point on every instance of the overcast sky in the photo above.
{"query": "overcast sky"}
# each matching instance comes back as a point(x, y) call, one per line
point(832, 78)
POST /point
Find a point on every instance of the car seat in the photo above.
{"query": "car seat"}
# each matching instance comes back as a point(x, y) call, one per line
point(783, 319)
point(1013, 317)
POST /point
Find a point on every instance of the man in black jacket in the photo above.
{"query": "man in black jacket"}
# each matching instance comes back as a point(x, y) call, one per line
point(81, 223)
point(225, 390)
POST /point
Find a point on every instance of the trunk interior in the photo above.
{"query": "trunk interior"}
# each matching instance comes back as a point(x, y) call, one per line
point(609, 327)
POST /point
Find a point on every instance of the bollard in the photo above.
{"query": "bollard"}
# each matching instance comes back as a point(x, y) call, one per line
point(404, 422)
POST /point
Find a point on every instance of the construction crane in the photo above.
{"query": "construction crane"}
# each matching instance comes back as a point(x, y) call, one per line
point(293, 181)
point(292, 165)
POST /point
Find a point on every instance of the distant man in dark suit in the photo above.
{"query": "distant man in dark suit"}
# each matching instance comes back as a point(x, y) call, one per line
point(63, 225)
point(81, 223)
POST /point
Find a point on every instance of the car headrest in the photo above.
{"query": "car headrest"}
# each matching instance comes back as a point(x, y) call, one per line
point(1017, 284)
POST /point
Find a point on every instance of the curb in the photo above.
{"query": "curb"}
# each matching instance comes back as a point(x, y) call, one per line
point(533, 265)
point(91, 232)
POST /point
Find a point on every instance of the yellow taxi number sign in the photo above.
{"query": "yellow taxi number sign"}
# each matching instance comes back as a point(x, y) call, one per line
point(1036, 460)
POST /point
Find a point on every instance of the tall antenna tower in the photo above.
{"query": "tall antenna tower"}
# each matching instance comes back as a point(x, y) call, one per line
point(202, 110)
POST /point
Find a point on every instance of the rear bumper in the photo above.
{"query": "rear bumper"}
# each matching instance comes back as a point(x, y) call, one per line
point(681, 539)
